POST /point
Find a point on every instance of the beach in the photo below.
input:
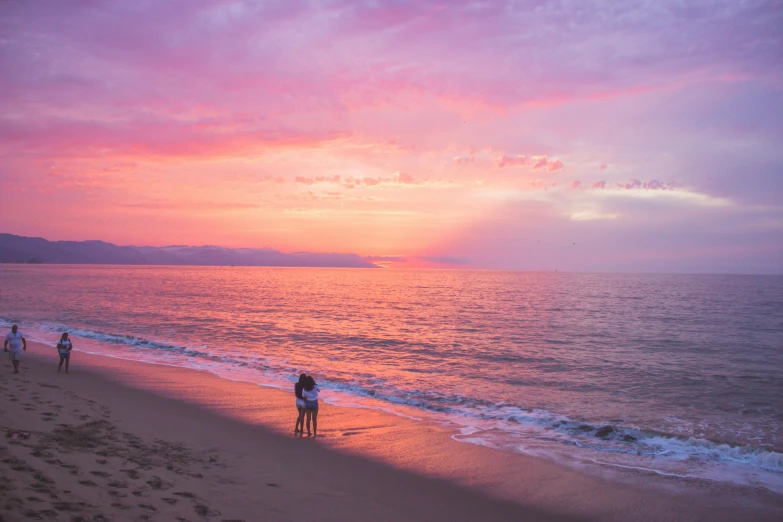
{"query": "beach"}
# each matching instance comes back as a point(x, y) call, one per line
point(124, 440)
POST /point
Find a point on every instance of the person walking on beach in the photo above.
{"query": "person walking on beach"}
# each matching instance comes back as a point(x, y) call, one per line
point(64, 348)
point(14, 344)
point(300, 403)
point(310, 394)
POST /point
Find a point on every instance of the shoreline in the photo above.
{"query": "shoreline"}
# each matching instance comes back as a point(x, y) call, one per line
point(352, 439)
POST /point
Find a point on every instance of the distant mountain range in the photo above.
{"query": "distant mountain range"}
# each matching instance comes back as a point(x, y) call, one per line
point(20, 249)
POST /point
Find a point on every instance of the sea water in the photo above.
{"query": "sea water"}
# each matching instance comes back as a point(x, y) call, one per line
point(676, 375)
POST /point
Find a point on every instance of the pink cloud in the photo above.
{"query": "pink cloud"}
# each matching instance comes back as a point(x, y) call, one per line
point(369, 181)
point(512, 161)
point(652, 184)
point(464, 160)
point(402, 178)
point(540, 162)
point(534, 162)
point(318, 179)
point(554, 165)
point(405, 178)
point(81, 138)
point(633, 184)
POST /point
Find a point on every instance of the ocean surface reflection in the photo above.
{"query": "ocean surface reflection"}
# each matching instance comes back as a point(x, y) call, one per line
point(687, 370)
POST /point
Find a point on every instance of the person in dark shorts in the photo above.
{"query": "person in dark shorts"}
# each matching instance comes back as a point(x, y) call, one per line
point(64, 348)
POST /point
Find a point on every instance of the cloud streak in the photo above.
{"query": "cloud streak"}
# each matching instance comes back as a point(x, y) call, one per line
point(533, 162)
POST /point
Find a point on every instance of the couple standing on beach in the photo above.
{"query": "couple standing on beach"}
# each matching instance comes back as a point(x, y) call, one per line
point(306, 391)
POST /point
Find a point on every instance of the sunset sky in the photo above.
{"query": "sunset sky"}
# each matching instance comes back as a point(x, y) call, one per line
point(570, 135)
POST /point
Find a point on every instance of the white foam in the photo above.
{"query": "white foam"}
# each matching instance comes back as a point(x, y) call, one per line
point(535, 432)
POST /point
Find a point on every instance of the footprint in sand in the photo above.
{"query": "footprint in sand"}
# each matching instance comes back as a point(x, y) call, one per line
point(41, 453)
point(132, 473)
point(40, 515)
point(88, 483)
point(66, 506)
point(169, 500)
point(14, 503)
point(204, 511)
point(117, 484)
point(41, 488)
point(158, 484)
point(99, 473)
point(40, 477)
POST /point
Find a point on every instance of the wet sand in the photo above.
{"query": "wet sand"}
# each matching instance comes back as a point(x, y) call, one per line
point(121, 440)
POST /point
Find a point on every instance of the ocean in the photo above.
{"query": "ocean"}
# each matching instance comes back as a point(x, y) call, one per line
point(673, 375)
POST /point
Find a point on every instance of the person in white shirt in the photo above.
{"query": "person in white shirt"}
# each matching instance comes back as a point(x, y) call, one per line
point(14, 344)
point(64, 348)
point(310, 394)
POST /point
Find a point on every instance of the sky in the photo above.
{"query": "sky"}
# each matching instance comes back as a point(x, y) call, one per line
point(590, 135)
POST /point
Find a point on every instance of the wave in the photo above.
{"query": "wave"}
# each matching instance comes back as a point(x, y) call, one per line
point(480, 421)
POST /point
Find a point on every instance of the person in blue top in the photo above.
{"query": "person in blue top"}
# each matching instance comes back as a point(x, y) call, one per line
point(64, 347)
point(14, 344)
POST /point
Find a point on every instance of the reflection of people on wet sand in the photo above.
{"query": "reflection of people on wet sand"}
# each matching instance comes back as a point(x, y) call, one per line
point(64, 348)
point(300, 403)
point(14, 344)
point(310, 394)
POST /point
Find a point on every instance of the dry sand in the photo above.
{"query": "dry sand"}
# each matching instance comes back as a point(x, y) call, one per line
point(120, 440)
